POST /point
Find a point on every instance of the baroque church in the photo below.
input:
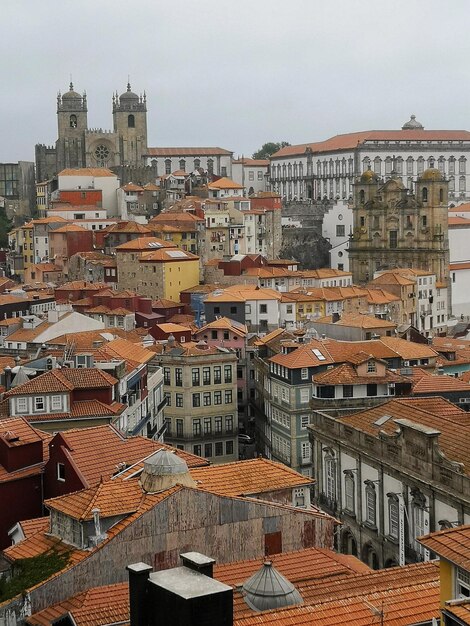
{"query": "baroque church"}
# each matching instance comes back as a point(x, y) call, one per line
point(80, 146)
point(393, 227)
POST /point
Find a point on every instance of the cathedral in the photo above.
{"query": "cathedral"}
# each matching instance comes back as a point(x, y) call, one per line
point(80, 146)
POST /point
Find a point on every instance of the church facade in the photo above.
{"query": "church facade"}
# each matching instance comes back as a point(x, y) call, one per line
point(78, 145)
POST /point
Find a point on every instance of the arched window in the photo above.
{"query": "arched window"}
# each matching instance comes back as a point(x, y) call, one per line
point(451, 184)
point(362, 196)
point(388, 165)
point(182, 165)
point(197, 163)
point(441, 164)
point(343, 167)
point(431, 161)
point(130, 121)
point(424, 194)
point(73, 121)
point(284, 171)
point(301, 170)
point(349, 492)
point(330, 478)
point(418, 518)
point(393, 515)
point(441, 195)
point(167, 166)
point(289, 170)
point(409, 165)
point(366, 164)
point(399, 165)
point(377, 165)
point(295, 170)
point(462, 165)
point(318, 168)
point(332, 167)
point(420, 165)
point(371, 503)
point(451, 165)
point(462, 184)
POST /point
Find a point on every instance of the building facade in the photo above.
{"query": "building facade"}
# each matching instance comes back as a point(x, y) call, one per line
point(329, 168)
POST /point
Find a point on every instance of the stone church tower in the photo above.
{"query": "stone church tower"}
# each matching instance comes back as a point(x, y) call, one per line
point(79, 146)
point(393, 228)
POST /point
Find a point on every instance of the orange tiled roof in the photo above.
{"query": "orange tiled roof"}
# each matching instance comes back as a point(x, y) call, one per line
point(452, 544)
point(187, 152)
point(124, 349)
point(356, 320)
point(439, 384)
point(224, 323)
point(459, 609)
point(224, 183)
point(97, 172)
point(31, 527)
point(65, 379)
point(349, 141)
point(89, 608)
point(167, 256)
point(433, 412)
point(249, 477)
point(69, 228)
point(346, 374)
point(304, 356)
point(127, 227)
point(144, 243)
point(409, 350)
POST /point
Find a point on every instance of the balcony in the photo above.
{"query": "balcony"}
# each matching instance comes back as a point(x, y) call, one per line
point(327, 504)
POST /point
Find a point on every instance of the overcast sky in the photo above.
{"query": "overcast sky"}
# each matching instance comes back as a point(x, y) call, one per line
point(236, 73)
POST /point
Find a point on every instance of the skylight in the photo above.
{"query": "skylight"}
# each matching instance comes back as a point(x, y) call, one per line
point(318, 354)
point(176, 254)
point(382, 420)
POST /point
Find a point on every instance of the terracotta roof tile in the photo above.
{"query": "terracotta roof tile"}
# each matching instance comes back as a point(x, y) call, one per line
point(409, 350)
point(248, 477)
point(356, 320)
point(144, 244)
point(452, 544)
point(346, 374)
point(187, 152)
point(224, 183)
point(96, 172)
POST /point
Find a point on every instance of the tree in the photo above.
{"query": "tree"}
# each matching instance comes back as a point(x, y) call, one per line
point(5, 227)
point(269, 148)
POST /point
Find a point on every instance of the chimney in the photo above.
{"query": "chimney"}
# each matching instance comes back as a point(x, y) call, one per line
point(199, 563)
point(8, 377)
point(138, 586)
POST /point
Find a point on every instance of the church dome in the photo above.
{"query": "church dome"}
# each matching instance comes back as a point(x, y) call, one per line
point(368, 177)
point(128, 95)
point(163, 470)
point(71, 94)
point(269, 589)
point(412, 124)
point(431, 174)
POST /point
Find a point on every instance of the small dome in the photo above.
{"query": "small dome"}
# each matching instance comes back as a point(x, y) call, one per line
point(431, 174)
point(269, 589)
point(71, 94)
point(412, 124)
point(164, 470)
point(128, 95)
point(368, 176)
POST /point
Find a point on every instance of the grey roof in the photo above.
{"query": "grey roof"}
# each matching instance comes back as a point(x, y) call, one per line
point(187, 583)
point(20, 378)
point(164, 462)
point(269, 589)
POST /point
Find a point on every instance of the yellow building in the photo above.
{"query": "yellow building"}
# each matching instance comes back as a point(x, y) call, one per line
point(452, 546)
point(165, 273)
point(184, 236)
point(43, 192)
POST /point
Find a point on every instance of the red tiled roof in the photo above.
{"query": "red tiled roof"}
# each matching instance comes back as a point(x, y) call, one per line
point(65, 379)
point(187, 152)
point(452, 544)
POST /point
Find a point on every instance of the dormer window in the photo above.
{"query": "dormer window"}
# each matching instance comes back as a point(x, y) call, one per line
point(39, 403)
point(21, 405)
point(371, 367)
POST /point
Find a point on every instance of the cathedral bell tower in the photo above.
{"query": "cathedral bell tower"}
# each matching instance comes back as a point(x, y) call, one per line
point(72, 123)
point(130, 124)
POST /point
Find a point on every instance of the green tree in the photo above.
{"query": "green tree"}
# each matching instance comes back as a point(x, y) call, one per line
point(5, 227)
point(269, 148)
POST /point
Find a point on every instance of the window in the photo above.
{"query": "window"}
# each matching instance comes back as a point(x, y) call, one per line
point(166, 376)
point(462, 580)
point(223, 170)
point(168, 426)
point(393, 515)
point(178, 376)
point(229, 423)
point(207, 450)
point(371, 390)
point(197, 449)
point(21, 405)
point(304, 373)
point(218, 424)
point(73, 121)
point(217, 375)
point(371, 504)
point(207, 398)
point(228, 396)
point(340, 230)
point(167, 166)
point(304, 396)
point(39, 403)
point(206, 375)
point(214, 334)
point(207, 426)
point(306, 451)
point(217, 397)
point(130, 121)
point(60, 471)
point(304, 421)
point(229, 447)
point(196, 427)
point(227, 373)
point(179, 427)
point(195, 376)
point(56, 403)
point(424, 194)
point(371, 367)
point(330, 478)
point(348, 391)
point(263, 308)
point(196, 399)
point(179, 400)
point(349, 492)
point(251, 175)
point(393, 238)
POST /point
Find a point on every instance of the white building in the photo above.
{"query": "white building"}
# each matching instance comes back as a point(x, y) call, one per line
point(92, 178)
point(251, 174)
point(337, 224)
point(215, 161)
point(328, 168)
